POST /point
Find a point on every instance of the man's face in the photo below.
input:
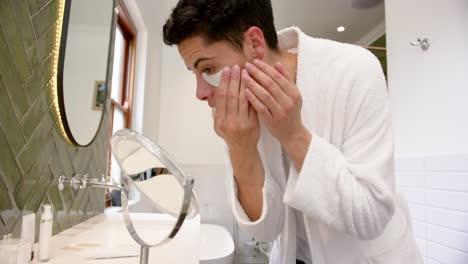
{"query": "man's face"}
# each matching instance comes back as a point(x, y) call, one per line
point(210, 59)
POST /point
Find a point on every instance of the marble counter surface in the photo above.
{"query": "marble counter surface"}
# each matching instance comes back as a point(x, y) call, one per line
point(105, 239)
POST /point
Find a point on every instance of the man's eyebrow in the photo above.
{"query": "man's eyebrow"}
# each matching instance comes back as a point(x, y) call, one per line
point(200, 60)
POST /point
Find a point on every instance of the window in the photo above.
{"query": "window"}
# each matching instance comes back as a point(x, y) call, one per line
point(122, 80)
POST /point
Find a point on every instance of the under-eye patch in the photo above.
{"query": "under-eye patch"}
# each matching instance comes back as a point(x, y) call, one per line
point(213, 79)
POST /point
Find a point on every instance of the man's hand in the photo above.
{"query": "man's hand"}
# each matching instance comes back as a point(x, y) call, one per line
point(235, 121)
point(278, 102)
point(276, 98)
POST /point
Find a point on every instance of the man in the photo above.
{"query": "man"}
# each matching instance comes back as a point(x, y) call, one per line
point(307, 126)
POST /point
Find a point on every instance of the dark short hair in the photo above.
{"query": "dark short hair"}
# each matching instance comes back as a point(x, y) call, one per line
point(218, 20)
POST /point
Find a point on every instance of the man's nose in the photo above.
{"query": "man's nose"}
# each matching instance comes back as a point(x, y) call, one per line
point(204, 90)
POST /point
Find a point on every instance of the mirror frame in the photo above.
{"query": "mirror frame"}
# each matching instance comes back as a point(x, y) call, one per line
point(190, 204)
point(59, 97)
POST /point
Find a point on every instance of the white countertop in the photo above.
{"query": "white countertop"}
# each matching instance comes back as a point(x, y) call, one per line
point(105, 239)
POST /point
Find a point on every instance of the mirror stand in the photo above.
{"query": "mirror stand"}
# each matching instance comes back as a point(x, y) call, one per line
point(148, 169)
point(144, 255)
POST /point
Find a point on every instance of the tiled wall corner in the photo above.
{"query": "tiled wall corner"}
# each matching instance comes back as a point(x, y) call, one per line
point(437, 192)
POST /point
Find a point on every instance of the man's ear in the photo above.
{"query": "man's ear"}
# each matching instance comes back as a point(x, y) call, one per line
point(254, 43)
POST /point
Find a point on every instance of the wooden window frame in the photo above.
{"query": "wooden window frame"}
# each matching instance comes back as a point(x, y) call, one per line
point(125, 23)
point(129, 32)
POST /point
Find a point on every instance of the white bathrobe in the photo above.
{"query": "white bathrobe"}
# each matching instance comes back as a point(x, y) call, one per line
point(346, 188)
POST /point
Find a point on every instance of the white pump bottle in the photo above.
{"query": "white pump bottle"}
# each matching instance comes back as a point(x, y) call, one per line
point(45, 233)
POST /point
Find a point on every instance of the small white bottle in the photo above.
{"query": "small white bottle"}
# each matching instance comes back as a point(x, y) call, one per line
point(45, 233)
point(28, 229)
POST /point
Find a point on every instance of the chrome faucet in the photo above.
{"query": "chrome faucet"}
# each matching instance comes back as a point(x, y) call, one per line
point(76, 182)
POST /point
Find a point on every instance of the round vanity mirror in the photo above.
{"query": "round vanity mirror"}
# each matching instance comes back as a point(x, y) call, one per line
point(83, 67)
point(157, 184)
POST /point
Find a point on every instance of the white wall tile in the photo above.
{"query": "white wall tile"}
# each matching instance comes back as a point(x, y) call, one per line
point(445, 254)
point(450, 181)
point(432, 163)
point(447, 237)
point(411, 179)
point(409, 164)
point(414, 195)
point(419, 229)
point(418, 212)
point(430, 261)
point(421, 243)
point(446, 163)
point(437, 191)
point(448, 218)
point(447, 199)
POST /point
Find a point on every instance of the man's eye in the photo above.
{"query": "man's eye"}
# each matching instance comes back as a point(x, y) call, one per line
point(208, 70)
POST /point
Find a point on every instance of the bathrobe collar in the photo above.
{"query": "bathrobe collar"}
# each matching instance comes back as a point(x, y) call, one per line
point(308, 63)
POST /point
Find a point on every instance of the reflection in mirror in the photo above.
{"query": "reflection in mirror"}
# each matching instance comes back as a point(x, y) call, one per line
point(158, 185)
point(155, 215)
point(163, 189)
point(84, 58)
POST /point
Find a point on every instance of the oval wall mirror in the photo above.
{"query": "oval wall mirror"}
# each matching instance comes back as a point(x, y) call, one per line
point(83, 69)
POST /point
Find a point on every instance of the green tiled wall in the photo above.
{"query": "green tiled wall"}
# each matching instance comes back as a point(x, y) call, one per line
point(381, 54)
point(33, 153)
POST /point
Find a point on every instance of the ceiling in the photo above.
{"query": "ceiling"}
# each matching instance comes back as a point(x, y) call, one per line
point(320, 18)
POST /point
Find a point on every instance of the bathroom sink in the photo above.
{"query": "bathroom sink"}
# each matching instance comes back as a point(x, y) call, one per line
point(104, 239)
point(216, 245)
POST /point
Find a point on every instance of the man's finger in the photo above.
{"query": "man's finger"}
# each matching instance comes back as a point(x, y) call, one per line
point(220, 94)
point(253, 114)
point(243, 102)
point(262, 97)
point(278, 74)
point(233, 93)
point(259, 107)
point(279, 67)
point(266, 82)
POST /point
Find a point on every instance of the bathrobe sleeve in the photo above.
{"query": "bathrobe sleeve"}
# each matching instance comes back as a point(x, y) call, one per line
point(270, 224)
point(350, 187)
